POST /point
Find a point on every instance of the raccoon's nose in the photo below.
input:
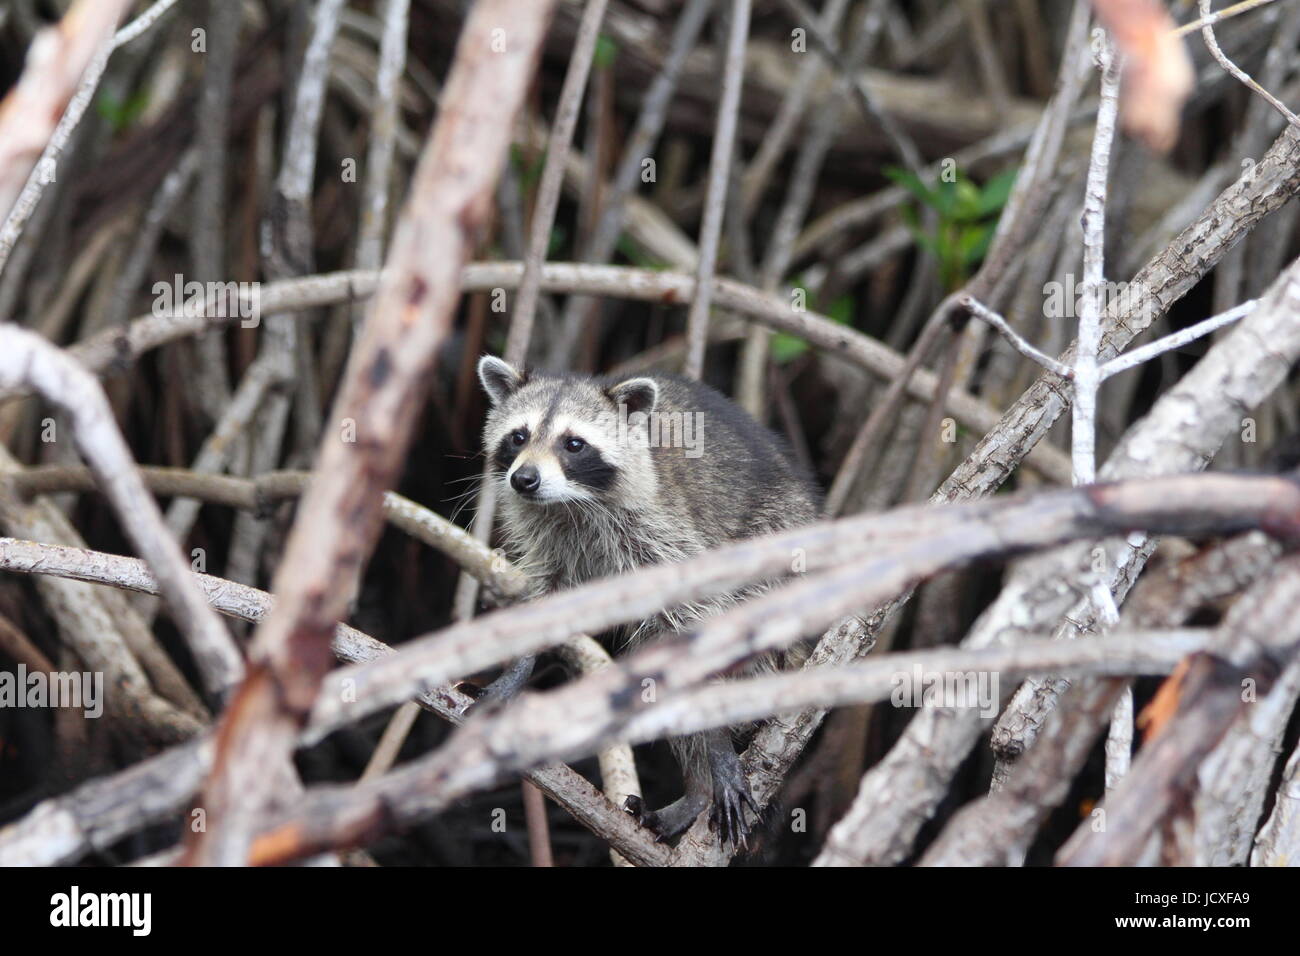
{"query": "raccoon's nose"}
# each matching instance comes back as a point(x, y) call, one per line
point(525, 480)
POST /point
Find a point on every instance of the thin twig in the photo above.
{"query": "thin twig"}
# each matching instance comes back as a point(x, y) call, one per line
point(1207, 33)
point(715, 202)
point(35, 363)
point(1175, 340)
point(338, 519)
point(985, 314)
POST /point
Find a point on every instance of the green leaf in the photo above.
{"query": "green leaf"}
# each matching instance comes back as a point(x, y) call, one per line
point(923, 238)
point(974, 243)
point(606, 52)
point(841, 310)
point(946, 199)
point(120, 114)
point(997, 191)
point(966, 201)
point(912, 183)
point(785, 347)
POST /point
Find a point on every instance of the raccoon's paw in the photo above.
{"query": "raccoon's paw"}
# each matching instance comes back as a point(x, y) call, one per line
point(635, 807)
point(731, 796)
point(667, 823)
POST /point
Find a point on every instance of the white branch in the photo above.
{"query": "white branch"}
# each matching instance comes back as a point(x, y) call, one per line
point(985, 314)
point(1175, 340)
point(1207, 33)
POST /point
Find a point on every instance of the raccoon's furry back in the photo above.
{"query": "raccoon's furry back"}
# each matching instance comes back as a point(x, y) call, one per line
point(744, 483)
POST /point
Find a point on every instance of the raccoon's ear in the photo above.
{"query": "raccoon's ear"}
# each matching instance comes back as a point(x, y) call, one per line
point(638, 394)
point(499, 378)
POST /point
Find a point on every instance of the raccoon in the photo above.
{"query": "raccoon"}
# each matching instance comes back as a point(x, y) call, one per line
point(598, 477)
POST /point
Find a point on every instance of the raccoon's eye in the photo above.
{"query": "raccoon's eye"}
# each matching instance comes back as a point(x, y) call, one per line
point(518, 437)
point(574, 445)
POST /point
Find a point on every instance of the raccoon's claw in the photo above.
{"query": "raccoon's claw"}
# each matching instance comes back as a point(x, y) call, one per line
point(731, 795)
point(727, 814)
point(635, 807)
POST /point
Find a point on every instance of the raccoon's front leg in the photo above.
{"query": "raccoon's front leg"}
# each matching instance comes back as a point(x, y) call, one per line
point(512, 679)
point(673, 819)
point(713, 777)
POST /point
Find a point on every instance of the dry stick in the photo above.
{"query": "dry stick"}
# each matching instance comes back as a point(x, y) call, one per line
point(874, 552)
point(976, 15)
point(1253, 137)
point(369, 255)
point(1207, 33)
point(1278, 842)
point(383, 135)
point(106, 636)
point(548, 190)
point(1175, 340)
point(985, 314)
point(111, 349)
point(581, 716)
point(1236, 778)
point(879, 679)
point(1020, 215)
point(787, 120)
point(503, 580)
point(64, 68)
point(1257, 641)
point(1087, 377)
point(861, 94)
point(1225, 13)
point(547, 203)
point(1002, 380)
point(220, 447)
point(640, 145)
point(34, 363)
point(146, 241)
point(1181, 433)
point(208, 236)
point(539, 837)
point(715, 201)
point(776, 257)
point(338, 519)
point(1163, 280)
point(928, 468)
point(998, 829)
point(288, 244)
point(99, 813)
point(869, 441)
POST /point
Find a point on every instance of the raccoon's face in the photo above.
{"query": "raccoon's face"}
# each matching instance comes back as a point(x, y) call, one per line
point(554, 440)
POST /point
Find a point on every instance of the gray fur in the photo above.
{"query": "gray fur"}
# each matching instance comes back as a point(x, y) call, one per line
point(623, 502)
